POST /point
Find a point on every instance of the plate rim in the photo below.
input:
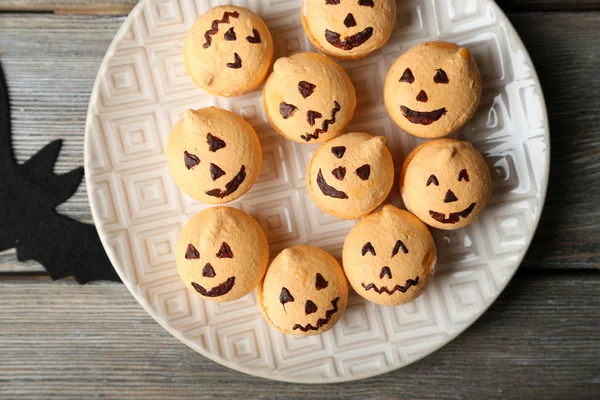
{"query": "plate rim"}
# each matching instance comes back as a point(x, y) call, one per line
point(274, 376)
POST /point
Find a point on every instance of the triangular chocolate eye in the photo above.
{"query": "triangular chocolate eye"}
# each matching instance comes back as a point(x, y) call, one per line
point(432, 179)
point(338, 151)
point(285, 296)
point(366, 3)
point(321, 283)
point(191, 253)
point(368, 248)
point(214, 143)
point(286, 110)
point(463, 175)
point(399, 245)
point(440, 76)
point(225, 251)
point(190, 160)
point(306, 88)
point(364, 172)
point(407, 76)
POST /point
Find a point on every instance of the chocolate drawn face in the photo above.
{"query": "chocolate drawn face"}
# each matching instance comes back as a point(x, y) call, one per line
point(431, 87)
point(229, 36)
point(348, 167)
point(390, 258)
point(308, 98)
point(214, 162)
point(214, 258)
point(345, 28)
point(228, 50)
point(310, 307)
point(454, 179)
point(304, 291)
point(314, 118)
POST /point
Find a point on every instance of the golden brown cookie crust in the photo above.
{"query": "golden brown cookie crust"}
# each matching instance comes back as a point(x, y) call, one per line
point(389, 257)
point(222, 254)
point(446, 183)
point(350, 175)
point(308, 98)
point(348, 30)
point(304, 291)
point(228, 51)
point(214, 155)
point(433, 89)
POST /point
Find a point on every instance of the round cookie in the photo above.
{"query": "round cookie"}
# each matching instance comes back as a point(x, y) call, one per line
point(446, 183)
point(228, 51)
point(222, 254)
point(214, 155)
point(348, 29)
point(304, 291)
point(389, 257)
point(433, 89)
point(351, 175)
point(308, 98)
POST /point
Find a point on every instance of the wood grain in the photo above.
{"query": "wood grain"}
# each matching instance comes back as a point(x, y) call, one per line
point(51, 62)
point(60, 340)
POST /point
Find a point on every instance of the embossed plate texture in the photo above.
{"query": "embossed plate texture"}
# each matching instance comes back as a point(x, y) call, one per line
point(142, 89)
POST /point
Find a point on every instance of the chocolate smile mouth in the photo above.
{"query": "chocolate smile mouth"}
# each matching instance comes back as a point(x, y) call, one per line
point(422, 117)
point(452, 217)
point(322, 321)
point(349, 42)
point(230, 186)
point(216, 291)
point(324, 125)
point(328, 190)
point(384, 289)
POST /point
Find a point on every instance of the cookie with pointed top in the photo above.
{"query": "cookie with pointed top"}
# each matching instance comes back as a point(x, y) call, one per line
point(433, 89)
point(214, 155)
point(228, 51)
point(304, 291)
point(446, 183)
point(351, 175)
point(308, 98)
point(222, 254)
point(389, 257)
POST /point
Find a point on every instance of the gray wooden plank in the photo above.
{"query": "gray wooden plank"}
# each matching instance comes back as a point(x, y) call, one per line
point(64, 341)
point(51, 61)
point(122, 7)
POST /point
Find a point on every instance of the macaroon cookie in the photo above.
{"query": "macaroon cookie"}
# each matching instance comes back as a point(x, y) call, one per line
point(389, 257)
point(433, 89)
point(348, 29)
point(350, 175)
point(214, 155)
point(228, 51)
point(308, 98)
point(222, 254)
point(446, 183)
point(304, 291)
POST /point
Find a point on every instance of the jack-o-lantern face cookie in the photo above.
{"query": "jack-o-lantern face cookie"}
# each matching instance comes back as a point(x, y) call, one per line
point(214, 155)
point(433, 89)
point(304, 291)
point(350, 176)
point(308, 98)
point(389, 256)
point(446, 183)
point(228, 51)
point(222, 254)
point(348, 29)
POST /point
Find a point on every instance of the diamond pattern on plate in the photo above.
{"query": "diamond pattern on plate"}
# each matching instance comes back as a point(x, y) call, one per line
point(142, 90)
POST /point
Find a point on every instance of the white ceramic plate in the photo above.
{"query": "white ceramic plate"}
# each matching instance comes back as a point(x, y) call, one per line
point(142, 89)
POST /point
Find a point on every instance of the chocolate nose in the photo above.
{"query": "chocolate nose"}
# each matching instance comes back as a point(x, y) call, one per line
point(450, 197)
point(310, 307)
point(422, 97)
point(385, 271)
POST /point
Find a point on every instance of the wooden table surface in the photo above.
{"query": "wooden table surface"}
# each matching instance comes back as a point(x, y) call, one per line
point(541, 339)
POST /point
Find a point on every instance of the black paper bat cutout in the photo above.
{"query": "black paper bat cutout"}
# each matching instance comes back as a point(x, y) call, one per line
point(29, 193)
